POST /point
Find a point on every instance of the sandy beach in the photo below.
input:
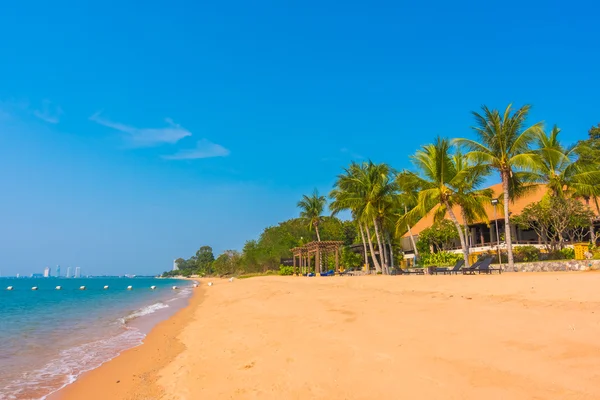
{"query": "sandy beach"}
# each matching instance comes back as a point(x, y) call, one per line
point(514, 336)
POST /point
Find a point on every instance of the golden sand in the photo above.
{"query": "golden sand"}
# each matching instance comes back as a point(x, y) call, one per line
point(514, 336)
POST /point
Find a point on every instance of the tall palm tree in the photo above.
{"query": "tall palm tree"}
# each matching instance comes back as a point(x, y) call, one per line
point(349, 194)
point(438, 179)
point(311, 209)
point(568, 171)
point(471, 200)
point(504, 145)
point(367, 190)
point(407, 200)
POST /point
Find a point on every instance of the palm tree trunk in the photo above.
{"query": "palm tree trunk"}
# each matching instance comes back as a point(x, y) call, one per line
point(412, 237)
point(592, 230)
point(362, 234)
point(507, 234)
point(390, 249)
point(373, 257)
point(317, 230)
point(467, 242)
point(460, 233)
point(381, 248)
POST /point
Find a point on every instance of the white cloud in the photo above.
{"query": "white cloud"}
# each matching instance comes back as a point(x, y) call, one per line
point(146, 137)
point(204, 149)
point(50, 112)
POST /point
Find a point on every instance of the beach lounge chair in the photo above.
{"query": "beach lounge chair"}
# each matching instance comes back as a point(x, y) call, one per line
point(416, 271)
point(454, 270)
point(475, 267)
point(486, 269)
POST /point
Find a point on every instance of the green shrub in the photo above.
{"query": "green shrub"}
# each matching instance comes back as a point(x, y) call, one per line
point(439, 259)
point(284, 270)
point(526, 254)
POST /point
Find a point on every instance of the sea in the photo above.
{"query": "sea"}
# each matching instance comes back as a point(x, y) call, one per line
point(49, 337)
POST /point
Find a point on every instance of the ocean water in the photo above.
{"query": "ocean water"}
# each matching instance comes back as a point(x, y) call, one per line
point(49, 337)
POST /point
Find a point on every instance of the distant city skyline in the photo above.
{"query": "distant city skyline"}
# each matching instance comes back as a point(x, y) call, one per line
point(47, 272)
point(77, 272)
point(68, 272)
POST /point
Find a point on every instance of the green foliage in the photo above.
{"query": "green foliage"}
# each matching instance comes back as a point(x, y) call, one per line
point(285, 270)
point(227, 263)
point(556, 220)
point(568, 253)
point(350, 259)
point(441, 235)
point(265, 254)
point(527, 254)
point(441, 258)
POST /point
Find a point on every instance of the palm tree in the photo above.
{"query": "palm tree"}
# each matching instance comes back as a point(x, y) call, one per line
point(471, 200)
point(505, 147)
point(311, 209)
point(407, 200)
point(367, 190)
point(439, 180)
point(568, 171)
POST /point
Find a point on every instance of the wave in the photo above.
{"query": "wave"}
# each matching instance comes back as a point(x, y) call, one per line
point(144, 311)
point(69, 365)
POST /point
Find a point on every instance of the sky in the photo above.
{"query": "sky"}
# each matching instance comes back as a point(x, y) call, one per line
point(132, 133)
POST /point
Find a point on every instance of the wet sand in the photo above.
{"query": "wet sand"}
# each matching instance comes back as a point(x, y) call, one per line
point(514, 336)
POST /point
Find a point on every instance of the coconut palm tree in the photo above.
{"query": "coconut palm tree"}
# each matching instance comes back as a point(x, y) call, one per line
point(407, 201)
point(367, 190)
point(442, 180)
point(311, 209)
point(504, 145)
point(349, 194)
point(568, 171)
point(471, 200)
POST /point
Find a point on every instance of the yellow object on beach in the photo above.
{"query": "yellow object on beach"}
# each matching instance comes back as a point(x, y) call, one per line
point(580, 250)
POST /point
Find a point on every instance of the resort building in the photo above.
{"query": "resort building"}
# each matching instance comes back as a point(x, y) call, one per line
point(482, 235)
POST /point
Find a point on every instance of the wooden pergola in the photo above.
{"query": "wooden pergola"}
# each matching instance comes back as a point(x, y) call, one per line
point(320, 250)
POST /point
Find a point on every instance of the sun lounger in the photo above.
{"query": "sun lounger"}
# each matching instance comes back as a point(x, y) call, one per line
point(487, 269)
point(416, 271)
point(485, 263)
point(454, 270)
point(471, 270)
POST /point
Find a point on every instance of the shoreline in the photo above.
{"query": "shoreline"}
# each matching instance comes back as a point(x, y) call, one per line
point(134, 372)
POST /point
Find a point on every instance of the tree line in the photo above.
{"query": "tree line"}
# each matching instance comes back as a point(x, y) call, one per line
point(446, 178)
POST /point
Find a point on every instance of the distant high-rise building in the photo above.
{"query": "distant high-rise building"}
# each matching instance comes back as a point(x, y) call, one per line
point(47, 272)
point(77, 272)
point(68, 272)
point(58, 271)
point(175, 266)
point(18, 275)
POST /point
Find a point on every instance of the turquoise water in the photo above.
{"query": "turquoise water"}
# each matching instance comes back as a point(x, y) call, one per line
point(49, 337)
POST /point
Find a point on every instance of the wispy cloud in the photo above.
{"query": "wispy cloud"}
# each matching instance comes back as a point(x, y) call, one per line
point(146, 137)
point(50, 112)
point(204, 149)
point(352, 154)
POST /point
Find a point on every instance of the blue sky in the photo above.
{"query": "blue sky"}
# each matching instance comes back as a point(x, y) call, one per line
point(131, 133)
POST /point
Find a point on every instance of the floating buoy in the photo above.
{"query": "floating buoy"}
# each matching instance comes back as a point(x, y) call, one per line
point(106, 287)
point(81, 287)
point(209, 283)
point(58, 288)
point(152, 287)
point(34, 288)
point(9, 288)
point(129, 287)
point(175, 288)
